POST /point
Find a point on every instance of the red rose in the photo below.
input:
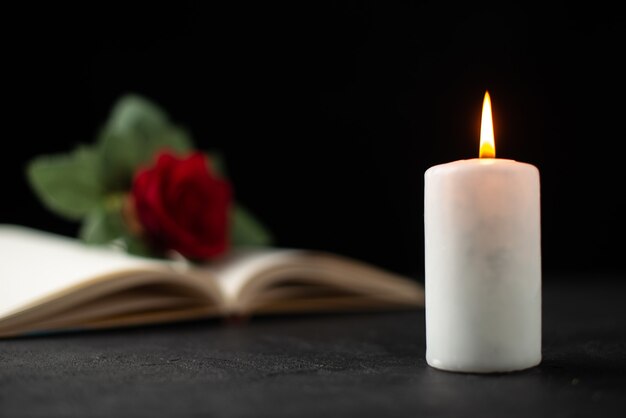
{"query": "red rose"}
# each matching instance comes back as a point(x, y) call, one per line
point(182, 205)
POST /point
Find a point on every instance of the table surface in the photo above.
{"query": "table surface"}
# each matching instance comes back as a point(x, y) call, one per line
point(342, 365)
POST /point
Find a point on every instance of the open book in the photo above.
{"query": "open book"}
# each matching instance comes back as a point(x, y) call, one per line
point(51, 283)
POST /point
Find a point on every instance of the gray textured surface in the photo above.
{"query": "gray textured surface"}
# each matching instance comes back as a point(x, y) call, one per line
point(339, 365)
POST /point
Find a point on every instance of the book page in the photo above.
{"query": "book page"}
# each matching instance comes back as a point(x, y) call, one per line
point(36, 264)
point(237, 269)
point(250, 279)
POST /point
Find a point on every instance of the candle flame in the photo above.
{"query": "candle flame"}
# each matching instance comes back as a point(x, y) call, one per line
point(487, 141)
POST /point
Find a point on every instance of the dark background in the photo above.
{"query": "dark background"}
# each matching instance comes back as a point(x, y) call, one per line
point(328, 116)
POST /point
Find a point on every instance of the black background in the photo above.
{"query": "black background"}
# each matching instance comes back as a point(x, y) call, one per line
point(328, 116)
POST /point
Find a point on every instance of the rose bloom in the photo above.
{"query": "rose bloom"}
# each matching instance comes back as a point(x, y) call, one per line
point(181, 205)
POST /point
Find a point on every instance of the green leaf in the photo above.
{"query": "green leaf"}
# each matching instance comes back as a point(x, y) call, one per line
point(70, 184)
point(135, 131)
point(106, 225)
point(216, 161)
point(246, 230)
point(105, 222)
point(136, 246)
point(101, 227)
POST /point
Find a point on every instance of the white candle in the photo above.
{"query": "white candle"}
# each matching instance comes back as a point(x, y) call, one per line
point(483, 262)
